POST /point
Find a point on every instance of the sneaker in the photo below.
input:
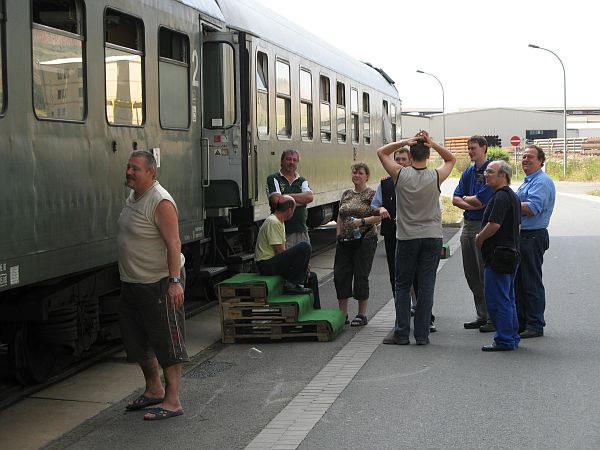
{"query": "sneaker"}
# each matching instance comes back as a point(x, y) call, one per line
point(393, 339)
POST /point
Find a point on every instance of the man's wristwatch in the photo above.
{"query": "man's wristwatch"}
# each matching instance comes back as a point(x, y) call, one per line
point(174, 280)
point(362, 222)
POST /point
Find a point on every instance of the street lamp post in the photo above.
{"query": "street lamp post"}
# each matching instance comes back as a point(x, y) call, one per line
point(564, 106)
point(443, 104)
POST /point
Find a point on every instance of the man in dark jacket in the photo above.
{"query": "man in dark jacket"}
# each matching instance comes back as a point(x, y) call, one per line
point(499, 236)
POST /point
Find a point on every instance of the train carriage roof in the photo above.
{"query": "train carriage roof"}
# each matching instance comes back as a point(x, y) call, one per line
point(254, 18)
point(208, 7)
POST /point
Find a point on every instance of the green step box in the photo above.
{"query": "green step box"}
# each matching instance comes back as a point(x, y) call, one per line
point(254, 306)
point(445, 251)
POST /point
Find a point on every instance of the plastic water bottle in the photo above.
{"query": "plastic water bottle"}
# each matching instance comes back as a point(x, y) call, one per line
point(355, 231)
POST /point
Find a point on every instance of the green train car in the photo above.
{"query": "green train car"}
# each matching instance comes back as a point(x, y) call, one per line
point(217, 89)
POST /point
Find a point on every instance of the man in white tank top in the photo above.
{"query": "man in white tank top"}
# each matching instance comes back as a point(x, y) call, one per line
point(418, 231)
point(151, 270)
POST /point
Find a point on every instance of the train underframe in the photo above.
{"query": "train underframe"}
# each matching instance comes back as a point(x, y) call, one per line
point(46, 327)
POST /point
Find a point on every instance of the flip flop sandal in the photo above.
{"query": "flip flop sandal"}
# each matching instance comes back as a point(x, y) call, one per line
point(359, 321)
point(143, 402)
point(162, 413)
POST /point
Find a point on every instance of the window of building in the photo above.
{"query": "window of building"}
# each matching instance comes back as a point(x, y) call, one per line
point(57, 39)
point(393, 119)
point(354, 113)
point(123, 61)
point(174, 84)
point(325, 98)
point(341, 112)
point(283, 103)
point(262, 94)
point(306, 105)
point(218, 71)
point(366, 118)
point(540, 134)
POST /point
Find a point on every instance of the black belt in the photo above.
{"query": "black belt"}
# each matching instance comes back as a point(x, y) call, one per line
point(537, 230)
point(472, 220)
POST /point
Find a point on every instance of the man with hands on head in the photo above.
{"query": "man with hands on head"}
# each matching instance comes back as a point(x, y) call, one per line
point(418, 231)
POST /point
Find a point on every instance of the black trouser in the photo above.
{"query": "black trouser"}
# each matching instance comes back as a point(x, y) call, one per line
point(390, 253)
point(291, 264)
point(313, 283)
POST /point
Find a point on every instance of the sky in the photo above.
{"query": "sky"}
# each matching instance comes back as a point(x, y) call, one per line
point(477, 49)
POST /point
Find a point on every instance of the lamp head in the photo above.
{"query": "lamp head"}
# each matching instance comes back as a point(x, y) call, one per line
point(533, 46)
point(420, 71)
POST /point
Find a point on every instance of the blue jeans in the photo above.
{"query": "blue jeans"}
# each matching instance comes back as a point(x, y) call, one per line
point(529, 288)
point(500, 301)
point(418, 257)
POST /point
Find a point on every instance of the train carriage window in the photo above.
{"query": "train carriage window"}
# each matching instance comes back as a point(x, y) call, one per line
point(123, 61)
point(387, 124)
point(354, 115)
point(283, 104)
point(174, 85)
point(306, 105)
point(325, 109)
point(218, 70)
point(57, 40)
point(393, 120)
point(2, 56)
point(262, 94)
point(341, 112)
point(366, 118)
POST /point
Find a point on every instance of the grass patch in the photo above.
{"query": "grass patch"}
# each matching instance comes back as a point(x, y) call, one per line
point(579, 168)
point(451, 215)
point(597, 193)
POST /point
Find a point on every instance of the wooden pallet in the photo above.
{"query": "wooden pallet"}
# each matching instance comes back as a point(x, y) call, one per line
point(243, 293)
point(276, 331)
point(276, 312)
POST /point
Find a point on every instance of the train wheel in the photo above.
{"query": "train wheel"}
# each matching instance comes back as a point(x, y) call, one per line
point(34, 360)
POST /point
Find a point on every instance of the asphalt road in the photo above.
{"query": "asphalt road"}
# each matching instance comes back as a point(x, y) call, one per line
point(451, 395)
point(445, 395)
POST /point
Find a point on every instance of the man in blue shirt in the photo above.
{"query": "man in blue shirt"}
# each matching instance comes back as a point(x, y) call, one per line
point(537, 195)
point(472, 195)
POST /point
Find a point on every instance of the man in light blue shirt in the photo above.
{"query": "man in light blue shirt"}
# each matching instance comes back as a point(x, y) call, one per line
point(537, 195)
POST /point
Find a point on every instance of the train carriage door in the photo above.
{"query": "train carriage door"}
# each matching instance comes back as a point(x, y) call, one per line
point(225, 122)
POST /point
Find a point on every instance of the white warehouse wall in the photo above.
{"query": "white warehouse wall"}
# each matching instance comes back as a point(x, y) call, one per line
point(504, 122)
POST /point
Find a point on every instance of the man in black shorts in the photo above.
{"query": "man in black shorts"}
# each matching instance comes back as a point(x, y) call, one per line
point(151, 270)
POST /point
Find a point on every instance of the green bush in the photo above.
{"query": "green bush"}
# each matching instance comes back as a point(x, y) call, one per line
point(497, 154)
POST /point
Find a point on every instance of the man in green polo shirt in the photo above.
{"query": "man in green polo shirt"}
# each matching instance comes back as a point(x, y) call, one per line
point(288, 182)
